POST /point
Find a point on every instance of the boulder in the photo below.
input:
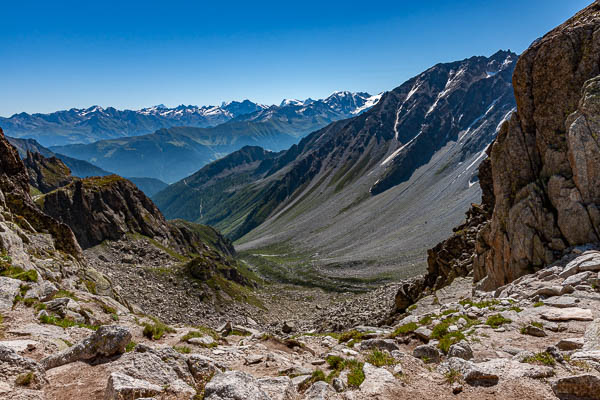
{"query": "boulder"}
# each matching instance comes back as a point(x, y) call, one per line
point(427, 352)
point(320, 391)
point(562, 302)
point(532, 330)
point(376, 380)
point(461, 350)
point(280, 388)
point(9, 289)
point(570, 344)
point(585, 387)
point(234, 385)
point(578, 278)
point(12, 365)
point(381, 344)
point(106, 341)
point(124, 387)
point(203, 368)
point(568, 314)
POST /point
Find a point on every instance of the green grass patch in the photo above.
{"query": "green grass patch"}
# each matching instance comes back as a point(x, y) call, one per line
point(404, 329)
point(538, 304)
point(497, 320)
point(182, 349)
point(130, 346)
point(449, 339)
point(352, 335)
point(356, 375)
point(65, 322)
point(481, 304)
point(380, 358)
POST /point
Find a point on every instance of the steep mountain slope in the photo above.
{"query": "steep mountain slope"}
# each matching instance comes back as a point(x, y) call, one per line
point(171, 154)
point(391, 181)
point(96, 123)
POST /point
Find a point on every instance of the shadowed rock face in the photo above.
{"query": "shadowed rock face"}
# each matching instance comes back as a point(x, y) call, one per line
point(109, 207)
point(14, 192)
point(545, 160)
point(46, 174)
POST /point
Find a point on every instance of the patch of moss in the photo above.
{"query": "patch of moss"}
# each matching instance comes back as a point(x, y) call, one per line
point(538, 304)
point(65, 293)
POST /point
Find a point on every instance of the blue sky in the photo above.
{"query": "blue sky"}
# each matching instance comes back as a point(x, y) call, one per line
point(58, 55)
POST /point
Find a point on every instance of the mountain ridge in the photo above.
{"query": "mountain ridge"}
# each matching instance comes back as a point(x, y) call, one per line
point(171, 154)
point(426, 128)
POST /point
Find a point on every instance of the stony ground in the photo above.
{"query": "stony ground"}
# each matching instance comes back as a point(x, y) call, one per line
point(536, 338)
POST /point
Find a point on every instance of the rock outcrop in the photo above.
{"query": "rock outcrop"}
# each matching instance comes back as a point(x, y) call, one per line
point(46, 174)
point(110, 207)
point(15, 198)
point(545, 160)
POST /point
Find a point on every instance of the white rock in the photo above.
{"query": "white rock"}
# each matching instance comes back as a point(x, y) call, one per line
point(376, 380)
point(566, 314)
point(121, 386)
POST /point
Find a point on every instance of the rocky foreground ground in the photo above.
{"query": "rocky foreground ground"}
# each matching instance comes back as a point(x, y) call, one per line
point(536, 338)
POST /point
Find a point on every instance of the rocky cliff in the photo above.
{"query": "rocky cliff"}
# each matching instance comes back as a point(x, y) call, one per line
point(545, 161)
point(539, 182)
point(15, 197)
point(109, 208)
point(46, 174)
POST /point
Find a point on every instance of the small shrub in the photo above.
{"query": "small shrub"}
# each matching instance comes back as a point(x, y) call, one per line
point(541, 358)
point(24, 379)
point(497, 320)
point(130, 346)
point(380, 358)
point(156, 330)
point(453, 376)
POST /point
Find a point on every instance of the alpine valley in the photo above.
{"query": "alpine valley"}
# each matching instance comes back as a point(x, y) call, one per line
point(438, 240)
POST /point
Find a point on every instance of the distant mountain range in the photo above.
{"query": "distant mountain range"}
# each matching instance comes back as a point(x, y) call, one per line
point(376, 189)
point(173, 153)
point(97, 123)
